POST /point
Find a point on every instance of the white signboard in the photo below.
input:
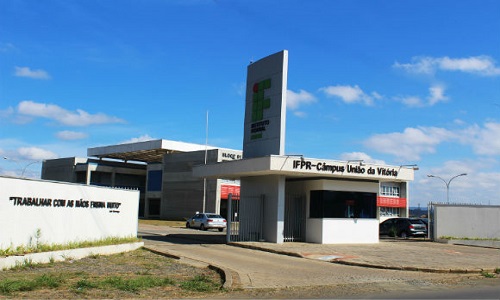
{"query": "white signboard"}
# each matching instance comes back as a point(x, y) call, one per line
point(265, 107)
point(36, 211)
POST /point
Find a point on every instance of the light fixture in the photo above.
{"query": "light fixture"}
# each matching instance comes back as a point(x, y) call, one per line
point(360, 161)
point(414, 167)
point(447, 183)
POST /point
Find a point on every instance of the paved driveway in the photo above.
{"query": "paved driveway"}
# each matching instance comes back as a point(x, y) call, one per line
point(260, 269)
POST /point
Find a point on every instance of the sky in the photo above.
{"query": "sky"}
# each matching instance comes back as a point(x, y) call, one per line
point(390, 82)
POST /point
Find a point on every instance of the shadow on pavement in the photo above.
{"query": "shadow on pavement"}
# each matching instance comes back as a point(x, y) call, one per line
point(187, 239)
point(388, 239)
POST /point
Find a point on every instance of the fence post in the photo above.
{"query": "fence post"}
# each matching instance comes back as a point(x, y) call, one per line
point(229, 217)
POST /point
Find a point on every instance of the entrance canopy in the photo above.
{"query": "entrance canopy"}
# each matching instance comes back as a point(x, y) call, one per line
point(149, 151)
point(296, 166)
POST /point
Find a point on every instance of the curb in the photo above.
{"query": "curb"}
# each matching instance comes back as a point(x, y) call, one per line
point(230, 278)
point(293, 254)
point(413, 269)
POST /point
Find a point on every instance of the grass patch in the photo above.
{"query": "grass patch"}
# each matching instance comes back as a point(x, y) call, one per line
point(135, 284)
point(199, 283)
point(9, 286)
point(135, 274)
point(41, 247)
point(487, 274)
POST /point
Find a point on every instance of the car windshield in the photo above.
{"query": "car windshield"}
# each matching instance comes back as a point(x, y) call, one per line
point(214, 216)
point(416, 222)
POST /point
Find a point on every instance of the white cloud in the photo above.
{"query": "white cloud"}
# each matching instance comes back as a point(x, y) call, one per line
point(484, 141)
point(361, 156)
point(27, 72)
point(411, 101)
point(294, 100)
point(436, 95)
point(480, 65)
point(409, 144)
point(351, 94)
point(35, 153)
point(63, 116)
point(71, 135)
point(299, 114)
point(413, 142)
point(142, 138)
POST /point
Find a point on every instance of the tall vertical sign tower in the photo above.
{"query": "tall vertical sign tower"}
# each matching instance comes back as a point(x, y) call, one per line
point(265, 107)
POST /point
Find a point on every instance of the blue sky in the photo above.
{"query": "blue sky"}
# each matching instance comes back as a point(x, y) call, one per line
point(394, 82)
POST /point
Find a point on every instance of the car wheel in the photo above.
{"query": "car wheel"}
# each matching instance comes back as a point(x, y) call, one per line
point(188, 225)
point(404, 234)
point(221, 229)
point(202, 227)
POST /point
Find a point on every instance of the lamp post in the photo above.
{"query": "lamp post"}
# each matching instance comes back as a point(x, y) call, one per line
point(25, 167)
point(19, 165)
point(447, 183)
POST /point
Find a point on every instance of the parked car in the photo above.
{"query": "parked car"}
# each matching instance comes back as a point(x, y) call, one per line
point(206, 221)
point(403, 227)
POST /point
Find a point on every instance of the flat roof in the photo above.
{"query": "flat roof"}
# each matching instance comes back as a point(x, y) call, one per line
point(147, 151)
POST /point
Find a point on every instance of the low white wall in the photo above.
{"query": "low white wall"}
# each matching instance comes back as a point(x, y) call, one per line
point(63, 212)
point(343, 231)
point(63, 255)
point(466, 221)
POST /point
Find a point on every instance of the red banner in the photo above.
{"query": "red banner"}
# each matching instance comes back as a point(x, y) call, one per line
point(226, 189)
point(391, 202)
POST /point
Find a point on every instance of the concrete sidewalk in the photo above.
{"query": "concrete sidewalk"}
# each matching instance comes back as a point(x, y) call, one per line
point(397, 254)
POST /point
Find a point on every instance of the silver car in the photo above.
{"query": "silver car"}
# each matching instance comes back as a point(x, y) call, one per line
point(206, 221)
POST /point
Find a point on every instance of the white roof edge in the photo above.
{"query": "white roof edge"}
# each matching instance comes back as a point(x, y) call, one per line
point(149, 145)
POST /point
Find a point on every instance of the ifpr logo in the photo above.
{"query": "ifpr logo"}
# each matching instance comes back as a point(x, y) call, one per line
point(259, 102)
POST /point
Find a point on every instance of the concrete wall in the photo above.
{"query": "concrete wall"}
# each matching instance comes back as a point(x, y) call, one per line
point(342, 231)
point(182, 194)
point(62, 169)
point(466, 221)
point(52, 209)
point(337, 231)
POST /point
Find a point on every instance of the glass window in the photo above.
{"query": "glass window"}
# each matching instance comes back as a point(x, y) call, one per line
point(389, 212)
point(387, 190)
point(335, 204)
point(154, 180)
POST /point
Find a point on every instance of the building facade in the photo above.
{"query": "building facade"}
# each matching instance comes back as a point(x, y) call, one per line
point(160, 169)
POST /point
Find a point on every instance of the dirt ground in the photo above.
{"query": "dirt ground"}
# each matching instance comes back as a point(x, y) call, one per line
point(144, 263)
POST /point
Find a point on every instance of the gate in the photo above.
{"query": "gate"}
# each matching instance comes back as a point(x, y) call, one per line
point(244, 222)
point(295, 218)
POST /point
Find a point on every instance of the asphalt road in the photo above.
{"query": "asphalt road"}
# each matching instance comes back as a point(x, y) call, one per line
point(258, 269)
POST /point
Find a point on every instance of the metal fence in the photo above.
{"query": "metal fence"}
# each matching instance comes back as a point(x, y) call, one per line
point(245, 222)
point(295, 218)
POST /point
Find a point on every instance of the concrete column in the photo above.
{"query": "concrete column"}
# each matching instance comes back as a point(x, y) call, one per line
point(89, 174)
